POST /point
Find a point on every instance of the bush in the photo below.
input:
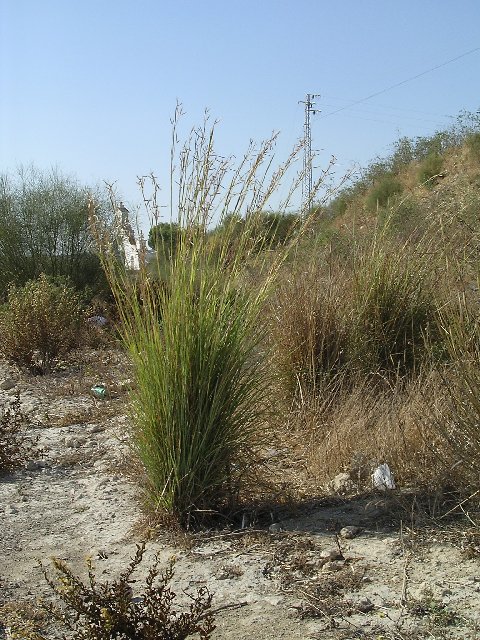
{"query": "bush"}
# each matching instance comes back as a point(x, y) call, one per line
point(165, 237)
point(276, 228)
point(107, 611)
point(384, 190)
point(40, 322)
point(404, 219)
point(430, 169)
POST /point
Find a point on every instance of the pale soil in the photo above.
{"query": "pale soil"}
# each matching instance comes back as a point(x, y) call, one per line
point(415, 580)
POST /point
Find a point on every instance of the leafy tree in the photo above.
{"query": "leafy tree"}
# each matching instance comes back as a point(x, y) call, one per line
point(44, 229)
point(165, 237)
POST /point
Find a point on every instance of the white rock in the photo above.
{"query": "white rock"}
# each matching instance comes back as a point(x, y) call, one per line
point(382, 478)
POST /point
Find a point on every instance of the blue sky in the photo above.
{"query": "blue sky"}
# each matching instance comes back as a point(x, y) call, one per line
point(89, 86)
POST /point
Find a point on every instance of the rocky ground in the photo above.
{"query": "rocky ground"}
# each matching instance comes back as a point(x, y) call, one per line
point(336, 568)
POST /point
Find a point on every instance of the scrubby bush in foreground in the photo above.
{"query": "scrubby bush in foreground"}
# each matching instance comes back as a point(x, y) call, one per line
point(457, 417)
point(40, 322)
point(108, 610)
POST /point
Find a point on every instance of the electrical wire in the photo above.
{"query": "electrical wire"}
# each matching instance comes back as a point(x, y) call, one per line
point(386, 107)
point(399, 84)
point(398, 118)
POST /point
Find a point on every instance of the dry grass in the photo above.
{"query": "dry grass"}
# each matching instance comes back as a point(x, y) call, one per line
point(368, 425)
point(309, 331)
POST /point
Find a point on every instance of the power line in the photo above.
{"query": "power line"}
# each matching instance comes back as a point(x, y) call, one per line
point(398, 118)
point(388, 107)
point(399, 84)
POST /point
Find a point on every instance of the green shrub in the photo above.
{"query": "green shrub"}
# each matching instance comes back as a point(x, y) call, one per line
point(387, 187)
point(164, 237)
point(276, 228)
point(40, 322)
point(430, 169)
point(338, 206)
point(107, 611)
point(404, 219)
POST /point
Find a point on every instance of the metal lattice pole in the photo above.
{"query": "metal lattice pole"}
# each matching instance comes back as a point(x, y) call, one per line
point(307, 184)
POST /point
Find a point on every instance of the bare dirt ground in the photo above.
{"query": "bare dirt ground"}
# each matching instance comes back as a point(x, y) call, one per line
point(393, 573)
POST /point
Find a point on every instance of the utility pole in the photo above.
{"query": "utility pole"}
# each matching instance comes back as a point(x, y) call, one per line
point(307, 183)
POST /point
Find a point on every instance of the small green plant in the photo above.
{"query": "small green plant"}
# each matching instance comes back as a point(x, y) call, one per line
point(14, 447)
point(430, 169)
point(40, 322)
point(387, 187)
point(433, 611)
point(108, 610)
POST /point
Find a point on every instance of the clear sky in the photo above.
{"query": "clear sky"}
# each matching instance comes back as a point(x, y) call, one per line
point(89, 86)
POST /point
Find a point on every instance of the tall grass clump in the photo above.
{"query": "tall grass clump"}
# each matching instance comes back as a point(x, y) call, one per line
point(197, 343)
point(309, 331)
point(394, 309)
point(457, 417)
